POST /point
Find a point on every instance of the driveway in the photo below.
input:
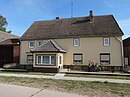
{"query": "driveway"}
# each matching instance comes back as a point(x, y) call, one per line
point(8, 90)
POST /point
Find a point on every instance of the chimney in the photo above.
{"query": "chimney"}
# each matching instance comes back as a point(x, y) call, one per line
point(57, 18)
point(91, 15)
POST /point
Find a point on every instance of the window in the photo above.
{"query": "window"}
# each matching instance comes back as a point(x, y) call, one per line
point(39, 59)
point(60, 59)
point(76, 42)
point(31, 44)
point(105, 58)
point(46, 59)
point(126, 61)
point(78, 58)
point(106, 41)
point(39, 43)
point(29, 58)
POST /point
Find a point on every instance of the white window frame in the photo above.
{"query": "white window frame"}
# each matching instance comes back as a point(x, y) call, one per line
point(104, 41)
point(30, 44)
point(38, 43)
point(40, 58)
point(42, 63)
point(76, 42)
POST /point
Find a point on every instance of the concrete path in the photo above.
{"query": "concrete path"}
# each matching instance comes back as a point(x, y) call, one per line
point(60, 75)
point(68, 78)
point(7, 90)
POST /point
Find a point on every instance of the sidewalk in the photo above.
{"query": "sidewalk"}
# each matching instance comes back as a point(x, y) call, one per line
point(95, 73)
point(68, 78)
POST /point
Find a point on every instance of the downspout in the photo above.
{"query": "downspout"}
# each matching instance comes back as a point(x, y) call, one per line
point(122, 52)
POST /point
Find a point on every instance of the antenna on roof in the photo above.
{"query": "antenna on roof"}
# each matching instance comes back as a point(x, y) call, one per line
point(72, 9)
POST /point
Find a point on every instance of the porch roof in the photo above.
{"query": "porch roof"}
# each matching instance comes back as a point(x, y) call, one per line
point(49, 46)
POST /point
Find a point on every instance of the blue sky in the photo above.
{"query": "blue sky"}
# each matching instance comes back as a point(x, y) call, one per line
point(20, 14)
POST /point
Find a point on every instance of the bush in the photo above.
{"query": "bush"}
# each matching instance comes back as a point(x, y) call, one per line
point(10, 66)
point(93, 66)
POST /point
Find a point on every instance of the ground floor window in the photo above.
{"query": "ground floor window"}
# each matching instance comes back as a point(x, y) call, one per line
point(45, 59)
point(78, 58)
point(60, 59)
point(29, 58)
point(105, 58)
point(126, 61)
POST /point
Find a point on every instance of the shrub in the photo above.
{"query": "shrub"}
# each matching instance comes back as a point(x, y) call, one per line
point(10, 66)
point(93, 66)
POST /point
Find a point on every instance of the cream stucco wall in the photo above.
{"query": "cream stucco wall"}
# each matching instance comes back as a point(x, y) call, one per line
point(24, 50)
point(90, 47)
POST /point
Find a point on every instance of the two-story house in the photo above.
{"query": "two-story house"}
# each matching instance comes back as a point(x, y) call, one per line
point(49, 45)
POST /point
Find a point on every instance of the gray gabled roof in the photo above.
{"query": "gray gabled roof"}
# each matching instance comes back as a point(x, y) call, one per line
point(13, 41)
point(49, 46)
point(104, 25)
point(5, 35)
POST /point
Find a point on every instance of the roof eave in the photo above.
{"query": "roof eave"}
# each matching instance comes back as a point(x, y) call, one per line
point(48, 51)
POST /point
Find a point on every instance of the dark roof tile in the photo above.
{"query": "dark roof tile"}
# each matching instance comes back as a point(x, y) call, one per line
point(104, 25)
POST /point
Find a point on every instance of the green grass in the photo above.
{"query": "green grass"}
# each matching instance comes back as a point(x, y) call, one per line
point(29, 73)
point(80, 87)
point(98, 76)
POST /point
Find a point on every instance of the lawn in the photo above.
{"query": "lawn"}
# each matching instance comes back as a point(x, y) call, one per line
point(91, 89)
point(30, 73)
point(98, 76)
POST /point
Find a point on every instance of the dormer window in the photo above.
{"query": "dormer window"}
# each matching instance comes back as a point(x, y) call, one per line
point(31, 44)
point(76, 42)
point(39, 43)
point(106, 41)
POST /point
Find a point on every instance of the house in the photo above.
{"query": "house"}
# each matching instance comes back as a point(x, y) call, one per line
point(50, 45)
point(126, 44)
point(9, 48)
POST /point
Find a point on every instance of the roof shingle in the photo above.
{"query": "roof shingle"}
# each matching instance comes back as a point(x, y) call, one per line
point(104, 25)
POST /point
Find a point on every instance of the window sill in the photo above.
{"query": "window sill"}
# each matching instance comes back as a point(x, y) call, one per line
point(45, 64)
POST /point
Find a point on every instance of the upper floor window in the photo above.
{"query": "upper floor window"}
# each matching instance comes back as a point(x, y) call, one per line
point(31, 44)
point(106, 41)
point(76, 42)
point(39, 43)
